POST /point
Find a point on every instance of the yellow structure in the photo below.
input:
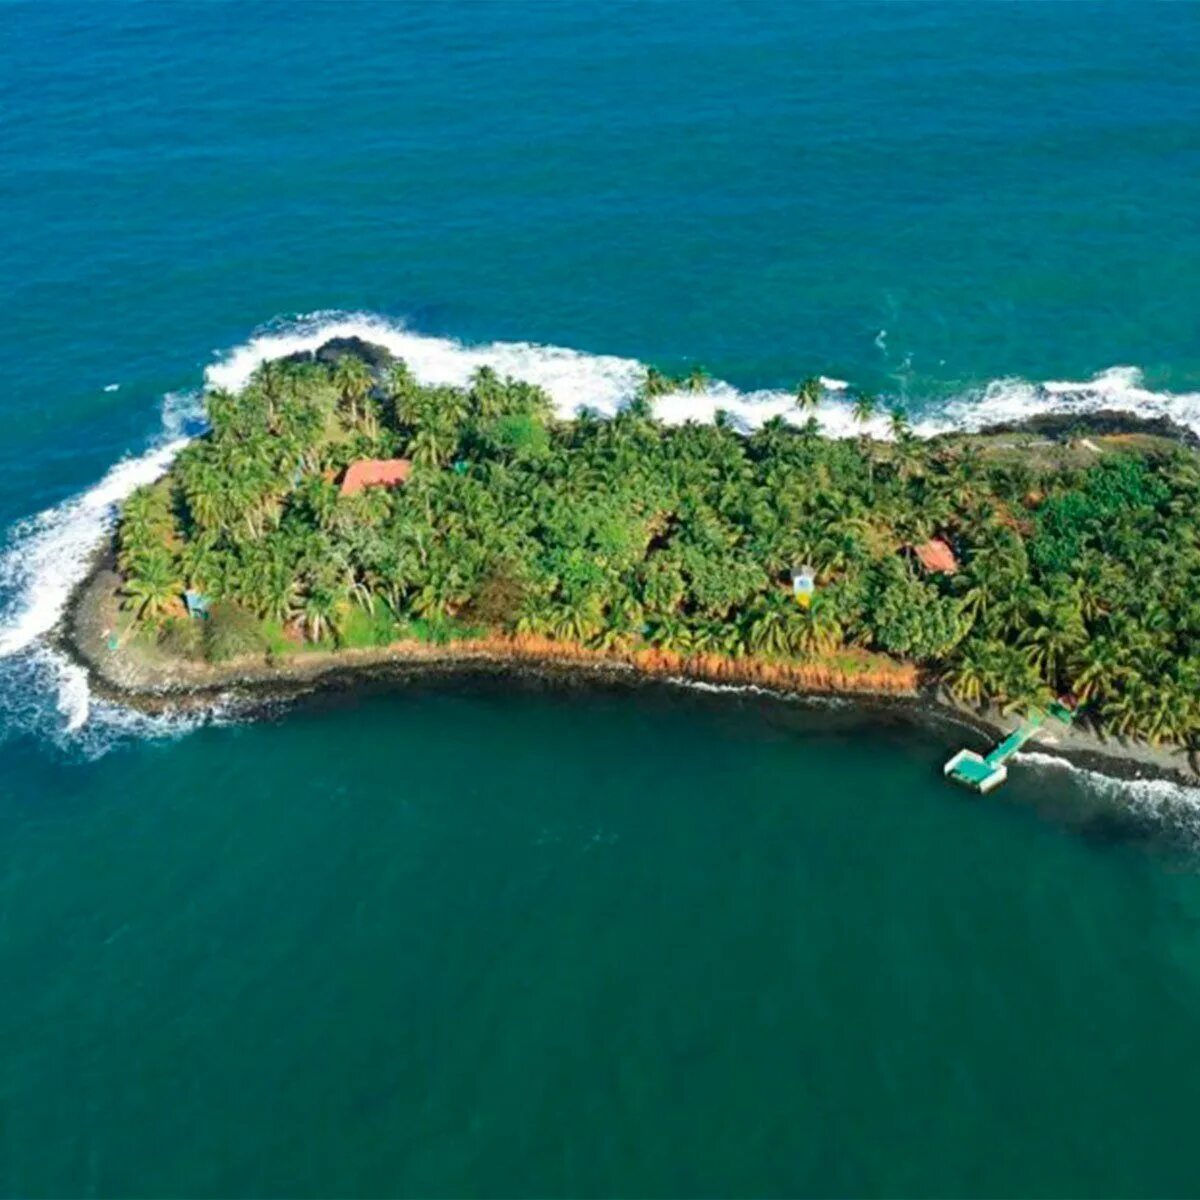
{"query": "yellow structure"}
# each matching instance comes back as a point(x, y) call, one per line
point(804, 584)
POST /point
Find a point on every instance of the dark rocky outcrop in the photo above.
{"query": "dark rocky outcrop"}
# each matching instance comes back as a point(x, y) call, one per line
point(1104, 422)
point(378, 358)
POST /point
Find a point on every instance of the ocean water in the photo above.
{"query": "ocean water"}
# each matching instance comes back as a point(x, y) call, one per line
point(458, 941)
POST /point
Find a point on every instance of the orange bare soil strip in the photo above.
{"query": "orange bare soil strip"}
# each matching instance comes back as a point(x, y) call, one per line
point(849, 671)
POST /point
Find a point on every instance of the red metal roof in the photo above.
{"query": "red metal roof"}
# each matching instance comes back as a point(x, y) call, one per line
point(936, 555)
point(375, 472)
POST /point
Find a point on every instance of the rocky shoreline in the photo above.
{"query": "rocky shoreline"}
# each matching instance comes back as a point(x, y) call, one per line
point(134, 681)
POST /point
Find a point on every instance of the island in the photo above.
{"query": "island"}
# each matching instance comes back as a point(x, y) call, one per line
point(339, 514)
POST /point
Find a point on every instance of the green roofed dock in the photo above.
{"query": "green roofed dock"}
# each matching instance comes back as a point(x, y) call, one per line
point(984, 773)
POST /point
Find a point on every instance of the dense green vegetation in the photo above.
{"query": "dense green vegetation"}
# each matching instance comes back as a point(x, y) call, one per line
point(622, 532)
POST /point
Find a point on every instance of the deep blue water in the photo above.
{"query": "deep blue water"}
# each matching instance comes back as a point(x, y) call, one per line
point(1007, 190)
point(919, 199)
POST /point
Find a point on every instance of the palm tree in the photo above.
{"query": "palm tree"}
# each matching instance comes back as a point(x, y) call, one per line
point(152, 584)
point(1098, 665)
point(199, 561)
point(320, 611)
point(863, 412)
point(698, 379)
point(808, 395)
point(815, 631)
point(656, 383)
point(865, 406)
point(353, 379)
point(968, 470)
point(433, 444)
point(270, 378)
point(968, 677)
point(280, 593)
point(1057, 634)
point(767, 626)
point(488, 393)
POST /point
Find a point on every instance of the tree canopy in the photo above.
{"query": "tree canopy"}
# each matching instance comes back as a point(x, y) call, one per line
point(625, 532)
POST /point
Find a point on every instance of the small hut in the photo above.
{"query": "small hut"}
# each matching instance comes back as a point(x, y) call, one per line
point(197, 604)
point(375, 472)
point(936, 556)
point(804, 584)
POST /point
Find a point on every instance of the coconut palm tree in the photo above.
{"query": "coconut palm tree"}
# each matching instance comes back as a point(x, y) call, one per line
point(152, 583)
point(968, 676)
point(1096, 668)
point(767, 625)
point(199, 561)
point(1056, 635)
point(433, 444)
point(815, 631)
point(808, 395)
point(353, 380)
point(488, 394)
point(863, 411)
point(656, 383)
point(320, 610)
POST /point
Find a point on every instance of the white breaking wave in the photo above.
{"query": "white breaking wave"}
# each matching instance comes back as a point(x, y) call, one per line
point(574, 379)
point(48, 554)
point(801, 699)
point(74, 696)
point(44, 557)
point(1168, 803)
point(47, 695)
point(603, 383)
point(1119, 389)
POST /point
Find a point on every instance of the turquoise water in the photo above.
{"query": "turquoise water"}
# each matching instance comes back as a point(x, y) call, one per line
point(458, 942)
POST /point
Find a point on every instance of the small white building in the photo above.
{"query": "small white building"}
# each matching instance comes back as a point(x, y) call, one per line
point(804, 583)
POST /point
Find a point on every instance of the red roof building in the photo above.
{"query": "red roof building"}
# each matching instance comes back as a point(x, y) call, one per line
point(375, 472)
point(936, 556)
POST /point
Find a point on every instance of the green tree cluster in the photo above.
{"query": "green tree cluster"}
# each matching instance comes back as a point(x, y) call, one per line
point(625, 532)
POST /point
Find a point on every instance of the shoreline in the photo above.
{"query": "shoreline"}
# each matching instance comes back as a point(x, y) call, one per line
point(126, 679)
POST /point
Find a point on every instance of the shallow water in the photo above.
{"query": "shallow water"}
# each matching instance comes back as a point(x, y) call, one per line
point(446, 943)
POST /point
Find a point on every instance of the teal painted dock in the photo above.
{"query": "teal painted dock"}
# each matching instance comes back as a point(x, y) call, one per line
point(983, 773)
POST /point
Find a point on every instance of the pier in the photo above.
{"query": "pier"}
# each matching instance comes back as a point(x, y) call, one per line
point(983, 773)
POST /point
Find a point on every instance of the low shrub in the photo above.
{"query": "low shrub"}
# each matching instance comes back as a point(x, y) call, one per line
point(232, 632)
point(362, 630)
point(498, 598)
point(440, 631)
point(182, 637)
point(278, 643)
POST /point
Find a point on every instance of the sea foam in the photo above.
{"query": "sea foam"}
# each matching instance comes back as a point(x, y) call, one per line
point(1163, 801)
point(44, 557)
point(603, 383)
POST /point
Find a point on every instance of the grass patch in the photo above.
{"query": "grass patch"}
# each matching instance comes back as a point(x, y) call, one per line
point(182, 637)
point(363, 630)
point(278, 644)
point(440, 631)
point(232, 632)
